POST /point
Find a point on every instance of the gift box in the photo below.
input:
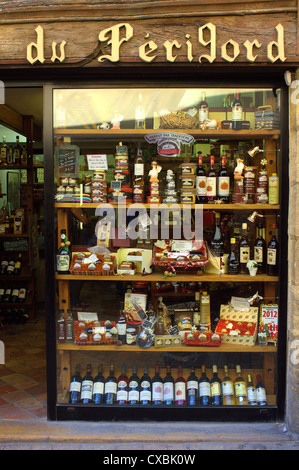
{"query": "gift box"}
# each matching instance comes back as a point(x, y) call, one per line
point(266, 118)
point(188, 255)
point(94, 332)
point(238, 327)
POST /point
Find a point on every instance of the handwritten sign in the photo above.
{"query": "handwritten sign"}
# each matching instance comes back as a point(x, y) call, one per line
point(269, 322)
point(67, 161)
point(97, 162)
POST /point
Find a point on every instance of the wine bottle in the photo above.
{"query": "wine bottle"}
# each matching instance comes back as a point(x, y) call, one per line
point(63, 258)
point(17, 152)
point(244, 250)
point(98, 387)
point(260, 251)
point(211, 181)
point(228, 397)
point(180, 388)
point(121, 325)
point(272, 254)
point(157, 387)
point(216, 399)
point(168, 387)
point(10, 267)
point(18, 264)
point(192, 388)
point(110, 387)
point(201, 183)
point(203, 109)
point(61, 326)
point(145, 388)
point(217, 243)
point(15, 295)
point(138, 186)
point(196, 309)
point(237, 113)
point(22, 294)
point(75, 386)
point(134, 387)
point(87, 386)
point(233, 260)
point(240, 388)
point(4, 152)
point(7, 296)
point(223, 182)
point(122, 393)
point(69, 326)
point(2, 292)
point(251, 392)
point(204, 388)
point(260, 392)
point(4, 265)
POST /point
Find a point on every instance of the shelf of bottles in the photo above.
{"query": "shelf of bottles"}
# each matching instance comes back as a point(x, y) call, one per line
point(229, 171)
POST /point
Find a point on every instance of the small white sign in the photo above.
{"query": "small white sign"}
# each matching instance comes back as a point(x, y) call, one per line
point(240, 303)
point(97, 162)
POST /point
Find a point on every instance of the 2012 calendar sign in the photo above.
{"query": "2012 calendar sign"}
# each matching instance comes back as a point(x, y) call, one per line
point(269, 321)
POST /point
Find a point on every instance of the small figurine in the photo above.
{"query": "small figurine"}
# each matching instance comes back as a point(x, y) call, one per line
point(154, 172)
point(239, 168)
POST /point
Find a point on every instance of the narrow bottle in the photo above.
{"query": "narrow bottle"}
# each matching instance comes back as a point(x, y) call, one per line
point(63, 258)
point(216, 399)
point(157, 387)
point(244, 250)
point(168, 387)
point(4, 152)
point(17, 152)
point(237, 113)
point(228, 396)
point(272, 254)
point(274, 189)
point(61, 327)
point(110, 387)
point(75, 386)
point(4, 265)
point(260, 251)
point(138, 184)
point(192, 388)
point(98, 387)
point(134, 387)
point(205, 312)
point(145, 388)
point(251, 392)
point(122, 393)
point(22, 294)
point(87, 386)
point(121, 325)
point(10, 267)
point(2, 292)
point(139, 114)
point(233, 260)
point(18, 264)
point(204, 388)
point(180, 388)
point(69, 326)
point(212, 181)
point(15, 295)
point(24, 156)
point(260, 392)
point(196, 309)
point(240, 388)
point(223, 182)
point(203, 109)
point(7, 295)
point(201, 183)
point(217, 243)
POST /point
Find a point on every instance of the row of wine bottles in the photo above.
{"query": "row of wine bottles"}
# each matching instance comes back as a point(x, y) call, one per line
point(11, 266)
point(168, 391)
point(15, 316)
point(15, 295)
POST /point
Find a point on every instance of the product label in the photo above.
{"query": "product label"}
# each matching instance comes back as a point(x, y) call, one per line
point(180, 391)
point(139, 169)
point(240, 390)
point(211, 186)
point(168, 391)
point(86, 392)
point(201, 185)
point(244, 254)
point(258, 254)
point(121, 328)
point(261, 394)
point(122, 395)
point(204, 389)
point(110, 387)
point(215, 389)
point(75, 387)
point(223, 186)
point(145, 395)
point(192, 384)
point(157, 391)
point(237, 113)
point(98, 387)
point(251, 394)
point(227, 388)
point(133, 395)
point(203, 113)
point(271, 256)
point(63, 262)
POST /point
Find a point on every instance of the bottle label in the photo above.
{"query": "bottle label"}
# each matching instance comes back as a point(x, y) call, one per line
point(223, 186)
point(158, 391)
point(211, 186)
point(63, 262)
point(180, 391)
point(1, 291)
point(139, 169)
point(237, 113)
point(244, 254)
point(168, 391)
point(86, 392)
point(133, 395)
point(203, 113)
point(240, 389)
point(121, 328)
point(192, 384)
point(133, 384)
point(258, 254)
point(204, 389)
point(215, 389)
point(122, 395)
point(201, 185)
point(145, 395)
point(251, 394)
point(261, 394)
point(271, 256)
point(75, 387)
point(10, 268)
point(110, 387)
point(98, 387)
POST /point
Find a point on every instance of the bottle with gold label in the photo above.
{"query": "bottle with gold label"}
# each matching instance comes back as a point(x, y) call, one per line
point(205, 317)
point(228, 396)
point(244, 250)
point(240, 388)
point(274, 189)
point(216, 398)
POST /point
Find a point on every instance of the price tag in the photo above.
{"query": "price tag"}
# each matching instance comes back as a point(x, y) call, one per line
point(97, 162)
point(269, 322)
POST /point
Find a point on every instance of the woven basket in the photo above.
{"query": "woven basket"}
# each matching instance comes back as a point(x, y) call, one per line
point(178, 121)
point(228, 313)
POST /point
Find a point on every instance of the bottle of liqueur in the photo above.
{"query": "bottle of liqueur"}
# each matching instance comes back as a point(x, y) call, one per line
point(134, 387)
point(4, 152)
point(196, 309)
point(237, 113)
point(63, 259)
point(122, 393)
point(203, 109)
point(223, 181)
point(260, 251)
point(98, 387)
point(87, 386)
point(145, 388)
point(192, 388)
point(138, 185)
point(217, 242)
point(251, 392)
point(180, 388)
point(69, 326)
point(168, 387)
point(233, 260)
point(18, 264)
point(204, 388)
point(244, 250)
point(212, 181)
point(17, 151)
point(139, 114)
point(240, 388)
point(110, 387)
point(228, 396)
point(272, 254)
point(260, 392)
point(61, 327)
point(201, 183)
point(121, 325)
point(216, 399)
point(157, 387)
point(75, 386)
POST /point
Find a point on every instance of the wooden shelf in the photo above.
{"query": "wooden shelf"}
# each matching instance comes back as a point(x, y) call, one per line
point(239, 207)
point(182, 348)
point(179, 277)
